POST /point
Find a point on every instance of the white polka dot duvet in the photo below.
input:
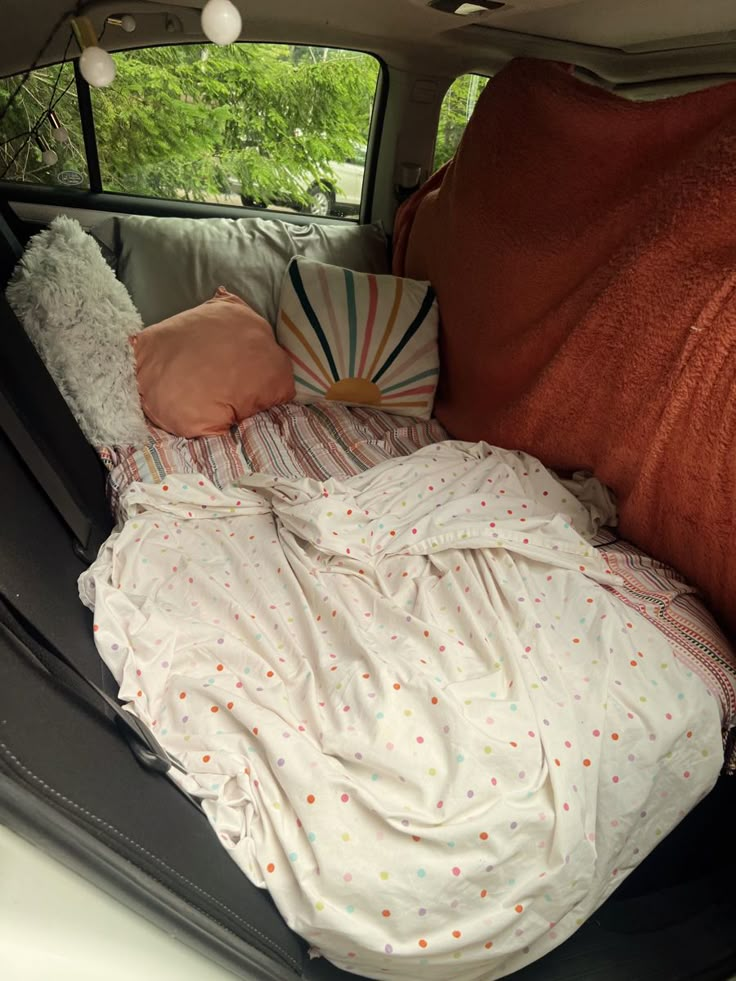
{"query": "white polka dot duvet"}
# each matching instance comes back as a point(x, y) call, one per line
point(409, 705)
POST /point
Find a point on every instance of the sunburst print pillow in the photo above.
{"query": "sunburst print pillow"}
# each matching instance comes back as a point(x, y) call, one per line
point(360, 338)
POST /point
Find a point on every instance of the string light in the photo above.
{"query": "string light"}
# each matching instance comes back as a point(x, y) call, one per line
point(221, 21)
point(126, 22)
point(221, 24)
point(49, 157)
point(23, 139)
point(58, 132)
point(27, 73)
point(95, 64)
point(97, 67)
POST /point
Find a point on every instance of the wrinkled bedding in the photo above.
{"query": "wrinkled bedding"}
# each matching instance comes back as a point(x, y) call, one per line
point(332, 440)
point(323, 440)
point(410, 699)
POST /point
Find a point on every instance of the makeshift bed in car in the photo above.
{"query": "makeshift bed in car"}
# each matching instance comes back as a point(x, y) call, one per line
point(423, 693)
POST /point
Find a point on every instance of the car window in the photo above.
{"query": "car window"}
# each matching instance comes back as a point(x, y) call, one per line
point(358, 157)
point(41, 140)
point(270, 125)
point(457, 108)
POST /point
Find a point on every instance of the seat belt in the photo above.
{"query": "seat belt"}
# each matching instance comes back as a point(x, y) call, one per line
point(139, 737)
point(38, 463)
point(10, 232)
point(37, 420)
point(38, 423)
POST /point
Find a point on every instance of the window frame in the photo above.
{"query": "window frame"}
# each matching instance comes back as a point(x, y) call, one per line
point(73, 63)
point(96, 196)
point(435, 166)
point(87, 122)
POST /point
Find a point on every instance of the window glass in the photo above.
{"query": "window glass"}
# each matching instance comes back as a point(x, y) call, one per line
point(457, 108)
point(41, 137)
point(270, 125)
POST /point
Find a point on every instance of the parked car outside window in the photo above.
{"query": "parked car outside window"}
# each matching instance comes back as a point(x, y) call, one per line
point(337, 192)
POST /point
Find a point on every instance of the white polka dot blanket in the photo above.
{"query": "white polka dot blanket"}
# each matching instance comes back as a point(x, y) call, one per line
point(409, 705)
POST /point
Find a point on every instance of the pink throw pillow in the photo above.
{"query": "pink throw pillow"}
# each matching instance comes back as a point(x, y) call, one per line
point(206, 369)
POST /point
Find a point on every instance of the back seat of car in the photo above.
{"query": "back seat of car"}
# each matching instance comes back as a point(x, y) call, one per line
point(70, 783)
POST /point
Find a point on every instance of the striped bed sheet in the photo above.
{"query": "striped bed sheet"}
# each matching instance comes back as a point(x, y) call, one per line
point(662, 596)
point(291, 440)
point(332, 440)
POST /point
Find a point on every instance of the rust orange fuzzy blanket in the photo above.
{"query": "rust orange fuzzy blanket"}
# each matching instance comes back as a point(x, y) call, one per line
point(583, 250)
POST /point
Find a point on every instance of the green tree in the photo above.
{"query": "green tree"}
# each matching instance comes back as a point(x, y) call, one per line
point(192, 121)
point(457, 108)
point(20, 153)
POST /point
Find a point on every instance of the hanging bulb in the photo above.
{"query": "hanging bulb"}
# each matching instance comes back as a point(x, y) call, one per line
point(49, 158)
point(95, 64)
point(97, 67)
point(221, 21)
point(58, 132)
point(125, 22)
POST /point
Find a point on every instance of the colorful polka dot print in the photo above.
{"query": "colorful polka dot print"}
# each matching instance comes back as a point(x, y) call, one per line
point(413, 705)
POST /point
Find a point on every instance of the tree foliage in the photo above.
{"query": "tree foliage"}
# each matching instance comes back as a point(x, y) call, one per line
point(20, 152)
point(201, 122)
point(457, 108)
point(265, 120)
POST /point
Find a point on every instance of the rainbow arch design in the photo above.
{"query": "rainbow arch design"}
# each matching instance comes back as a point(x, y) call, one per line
point(360, 338)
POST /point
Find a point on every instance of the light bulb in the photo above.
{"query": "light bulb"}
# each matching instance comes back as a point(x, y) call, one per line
point(58, 132)
point(126, 22)
point(49, 158)
point(221, 21)
point(97, 67)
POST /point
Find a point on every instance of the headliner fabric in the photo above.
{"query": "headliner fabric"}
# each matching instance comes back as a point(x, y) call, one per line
point(583, 250)
point(172, 264)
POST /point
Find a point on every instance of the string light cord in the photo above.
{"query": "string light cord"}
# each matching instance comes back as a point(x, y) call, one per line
point(28, 135)
point(221, 23)
point(28, 132)
point(53, 102)
point(44, 48)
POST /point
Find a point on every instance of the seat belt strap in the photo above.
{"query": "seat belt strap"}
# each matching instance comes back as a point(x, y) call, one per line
point(29, 450)
point(140, 738)
point(9, 227)
point(35, 436)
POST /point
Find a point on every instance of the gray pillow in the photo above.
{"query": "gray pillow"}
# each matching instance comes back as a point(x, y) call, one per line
point(79, 318)
point(172, 264)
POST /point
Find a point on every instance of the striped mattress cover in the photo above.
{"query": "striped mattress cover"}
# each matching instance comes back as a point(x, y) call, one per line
point(333, 440)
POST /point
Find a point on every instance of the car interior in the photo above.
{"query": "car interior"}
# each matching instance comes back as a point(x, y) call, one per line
point(500, 162)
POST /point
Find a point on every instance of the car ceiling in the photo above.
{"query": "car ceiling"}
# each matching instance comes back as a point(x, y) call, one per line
point(618, 40)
